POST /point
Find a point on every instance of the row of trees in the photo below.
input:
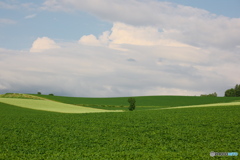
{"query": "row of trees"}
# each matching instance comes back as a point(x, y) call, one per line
point(209, 95)
point(41, 93)
point(233, 92)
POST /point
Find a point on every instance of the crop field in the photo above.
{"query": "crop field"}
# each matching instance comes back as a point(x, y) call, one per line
point(184, 133)
point(164, 101)
point(50, 106)
point(142, 103)
point(208, 105)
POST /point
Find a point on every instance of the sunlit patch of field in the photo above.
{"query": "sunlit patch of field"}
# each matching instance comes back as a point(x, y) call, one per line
point(207, 105)
point(52, 106)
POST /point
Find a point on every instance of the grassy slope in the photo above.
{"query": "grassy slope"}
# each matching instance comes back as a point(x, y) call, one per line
point(162, 134)
point(207, 105)
point(49, 106)
point(164, 101)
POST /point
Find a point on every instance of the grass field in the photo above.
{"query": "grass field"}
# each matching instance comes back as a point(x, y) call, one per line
point(207, 105)
point(142, 103)
point(165, 101)
point(186, 133)
point(58, 104)
point(179, 127)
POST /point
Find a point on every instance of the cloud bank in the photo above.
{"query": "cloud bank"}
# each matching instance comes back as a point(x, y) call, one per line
point(190, 25)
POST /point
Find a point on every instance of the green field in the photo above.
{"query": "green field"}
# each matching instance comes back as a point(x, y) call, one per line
point(142, 103)
point(183, 133)
point(52, 106)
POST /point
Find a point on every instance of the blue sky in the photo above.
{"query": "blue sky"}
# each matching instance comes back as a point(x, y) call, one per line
point(59, 25)
point(187, 47)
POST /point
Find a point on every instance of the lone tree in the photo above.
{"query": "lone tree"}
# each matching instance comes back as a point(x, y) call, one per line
point(132, 102)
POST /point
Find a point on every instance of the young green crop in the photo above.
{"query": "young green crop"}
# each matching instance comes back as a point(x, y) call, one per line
point(163, 101)
point(52, 106)
point(189, 133)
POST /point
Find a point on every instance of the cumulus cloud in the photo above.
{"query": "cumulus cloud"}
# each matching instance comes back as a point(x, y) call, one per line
point(89, 40)
point(82, 70)
point(123, 34)
point(42, 44)
point(135, 35)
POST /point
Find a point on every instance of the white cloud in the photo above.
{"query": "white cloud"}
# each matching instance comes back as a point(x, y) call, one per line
point(135, 12)
point(30, 16)
point(42, 44)
point(127, 34)
point(147, 36)
point(123, 34)
point(83, 70)
point(89, 40)
point(188, 25)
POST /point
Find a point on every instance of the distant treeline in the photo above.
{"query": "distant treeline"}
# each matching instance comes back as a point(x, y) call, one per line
point(209, 95)
point(233, 92)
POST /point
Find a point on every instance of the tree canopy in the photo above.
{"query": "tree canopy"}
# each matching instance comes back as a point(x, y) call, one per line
point(233, 92)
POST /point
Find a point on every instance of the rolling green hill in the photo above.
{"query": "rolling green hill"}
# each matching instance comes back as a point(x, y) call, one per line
point(163, 101)
point(120, 103)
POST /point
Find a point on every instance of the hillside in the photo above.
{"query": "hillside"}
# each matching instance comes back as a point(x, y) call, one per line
point(163, 101)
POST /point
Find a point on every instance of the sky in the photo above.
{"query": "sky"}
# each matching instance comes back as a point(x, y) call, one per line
point(113, 48)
